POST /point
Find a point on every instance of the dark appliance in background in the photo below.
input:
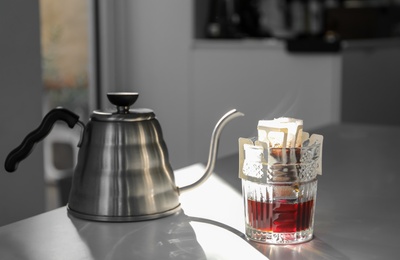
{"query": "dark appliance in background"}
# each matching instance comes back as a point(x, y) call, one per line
point(305, 25)
point(343, 22)
point(223, 20)
point(282, 19)
point(250, 15)
point(364, 22)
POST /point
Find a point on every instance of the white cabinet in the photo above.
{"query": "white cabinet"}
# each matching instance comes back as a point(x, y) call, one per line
point(262, 80)
point(259, 79)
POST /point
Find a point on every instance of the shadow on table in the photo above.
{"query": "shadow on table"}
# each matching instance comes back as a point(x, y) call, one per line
point(314, 249)
point(180, 237)
point(174, 237)
point(165, 238)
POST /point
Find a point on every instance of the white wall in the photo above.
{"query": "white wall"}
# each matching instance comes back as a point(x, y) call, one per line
point(21, 192)
point(160, 37)
point(146, 47)
point(190, 85)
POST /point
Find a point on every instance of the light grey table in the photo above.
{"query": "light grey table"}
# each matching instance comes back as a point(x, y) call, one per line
point(358, 201)
point(357, 213)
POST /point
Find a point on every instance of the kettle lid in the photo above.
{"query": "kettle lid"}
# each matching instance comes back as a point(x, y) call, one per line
point(123, 112)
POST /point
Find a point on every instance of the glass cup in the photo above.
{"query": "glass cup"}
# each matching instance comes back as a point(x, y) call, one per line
point(279, 188)
point(279, 213)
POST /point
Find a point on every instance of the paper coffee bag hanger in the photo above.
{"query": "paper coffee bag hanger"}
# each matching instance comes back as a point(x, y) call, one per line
point(123, 172)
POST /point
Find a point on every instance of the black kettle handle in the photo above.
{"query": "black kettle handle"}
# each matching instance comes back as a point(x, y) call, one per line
point(27, 145)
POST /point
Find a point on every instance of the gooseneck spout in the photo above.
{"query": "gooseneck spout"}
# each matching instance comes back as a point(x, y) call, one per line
point(212, 156)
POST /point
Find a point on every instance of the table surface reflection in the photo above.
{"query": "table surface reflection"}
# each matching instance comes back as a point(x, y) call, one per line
point(356, 214)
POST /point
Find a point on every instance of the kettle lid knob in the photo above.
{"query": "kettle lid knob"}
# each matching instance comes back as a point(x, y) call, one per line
point(122, 100)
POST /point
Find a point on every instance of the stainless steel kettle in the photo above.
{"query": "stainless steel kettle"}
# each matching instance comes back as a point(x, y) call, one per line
point(123, 171)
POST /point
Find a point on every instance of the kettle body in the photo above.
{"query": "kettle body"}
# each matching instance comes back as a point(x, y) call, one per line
point(123, 176)
point(123, 171)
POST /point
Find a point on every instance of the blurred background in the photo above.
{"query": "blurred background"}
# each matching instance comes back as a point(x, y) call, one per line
point(325, 62)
